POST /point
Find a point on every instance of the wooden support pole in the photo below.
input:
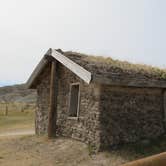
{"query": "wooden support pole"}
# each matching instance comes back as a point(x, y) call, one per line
point(164, 109)
point(53, 100)
point(6, 110)
point(156, 160)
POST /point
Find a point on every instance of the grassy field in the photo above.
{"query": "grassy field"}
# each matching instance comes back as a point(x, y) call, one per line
point(16, 120)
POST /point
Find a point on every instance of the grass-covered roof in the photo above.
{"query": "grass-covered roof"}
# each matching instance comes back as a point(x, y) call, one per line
point(106, 66)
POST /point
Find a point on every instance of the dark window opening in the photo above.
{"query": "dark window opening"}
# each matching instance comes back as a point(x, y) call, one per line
point(74, 100)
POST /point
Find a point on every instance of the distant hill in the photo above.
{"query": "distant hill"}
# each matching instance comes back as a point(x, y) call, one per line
point(17, 93)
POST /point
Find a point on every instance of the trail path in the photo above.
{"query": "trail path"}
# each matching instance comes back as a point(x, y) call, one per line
point(17, 132)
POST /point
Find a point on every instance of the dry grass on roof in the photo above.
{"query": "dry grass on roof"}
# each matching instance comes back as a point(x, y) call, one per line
point(128, 67)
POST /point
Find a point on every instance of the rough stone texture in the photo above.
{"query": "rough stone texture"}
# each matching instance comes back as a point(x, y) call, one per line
point(107, 115)
point(130, 114)
point(86, 127)
point(43, 91)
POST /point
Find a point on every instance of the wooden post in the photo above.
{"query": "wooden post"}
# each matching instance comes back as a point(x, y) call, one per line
point(53, 100)
point(6, 110)
point(164, 109)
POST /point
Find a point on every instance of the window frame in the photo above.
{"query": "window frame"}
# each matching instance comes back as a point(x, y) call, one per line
point(78, 104)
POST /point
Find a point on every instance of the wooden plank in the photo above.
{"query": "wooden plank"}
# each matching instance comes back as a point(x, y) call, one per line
point(116, 80)
point(128, 81)
point(155, 160)
point(164, 108)
point(36, 72)
point(52, 118)
point(74, 67)
point(52, 55)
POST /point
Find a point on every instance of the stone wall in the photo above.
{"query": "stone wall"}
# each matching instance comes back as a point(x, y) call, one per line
point(86, 127)
point(107, 115)
point(43, 90)
point(130, 114)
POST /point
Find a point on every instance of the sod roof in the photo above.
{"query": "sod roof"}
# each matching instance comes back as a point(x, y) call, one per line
point(107, 66)
point(102, 70)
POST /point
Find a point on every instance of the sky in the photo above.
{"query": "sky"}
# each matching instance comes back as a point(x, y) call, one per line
point(132, 30)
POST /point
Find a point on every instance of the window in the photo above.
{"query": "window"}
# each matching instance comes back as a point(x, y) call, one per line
point(74, 100)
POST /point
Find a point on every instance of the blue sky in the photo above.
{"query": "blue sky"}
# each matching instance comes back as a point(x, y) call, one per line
point(133, 30)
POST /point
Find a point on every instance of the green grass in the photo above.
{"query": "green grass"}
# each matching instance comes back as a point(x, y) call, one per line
point(16, 120)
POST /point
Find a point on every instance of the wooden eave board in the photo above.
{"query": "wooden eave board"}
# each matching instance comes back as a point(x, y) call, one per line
point(74, 67)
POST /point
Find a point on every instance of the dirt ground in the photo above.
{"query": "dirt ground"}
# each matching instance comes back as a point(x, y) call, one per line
point(39, 151)
point(17, 132)
point(31, 150)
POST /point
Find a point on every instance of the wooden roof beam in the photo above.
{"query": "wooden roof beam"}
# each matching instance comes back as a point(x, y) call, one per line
point(74, 67)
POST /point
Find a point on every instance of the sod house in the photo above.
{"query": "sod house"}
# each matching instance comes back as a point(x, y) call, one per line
point(100, 101)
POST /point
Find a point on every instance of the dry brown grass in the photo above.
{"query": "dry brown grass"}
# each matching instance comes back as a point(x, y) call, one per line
point(16, 120)
point(141, 68)
point(107, 62)
point(39, 151)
